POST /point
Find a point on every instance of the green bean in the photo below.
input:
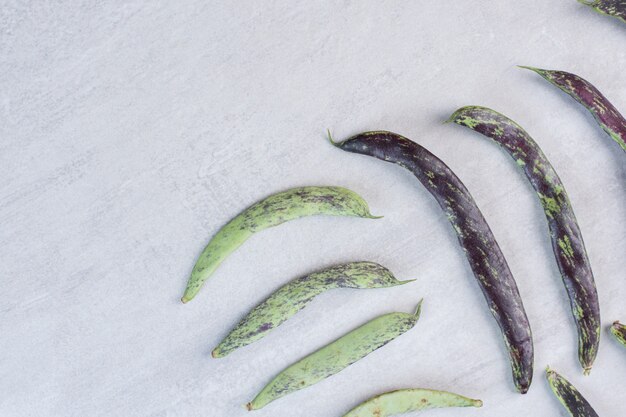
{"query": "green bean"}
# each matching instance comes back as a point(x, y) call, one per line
point(619, 331)
point(295, 295)
point(407, 400)
point(336, 356)
point(274, 210)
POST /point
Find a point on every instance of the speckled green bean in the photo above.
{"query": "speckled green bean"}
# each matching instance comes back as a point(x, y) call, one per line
point(619, 331)
point(568, 395)
point(615, 8)
point(336, 356)
point(407, 400)
point(274, 210)
point(294, 296)
point(567, 241)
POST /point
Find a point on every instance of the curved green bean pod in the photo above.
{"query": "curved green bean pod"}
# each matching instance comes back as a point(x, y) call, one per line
point(336, 356)
point(407, 400)
point(568, 395)
point(274, 210)
point(294, 296)
point(619, 331)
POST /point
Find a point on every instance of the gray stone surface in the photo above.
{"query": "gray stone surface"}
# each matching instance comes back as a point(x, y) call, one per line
point(131, 131)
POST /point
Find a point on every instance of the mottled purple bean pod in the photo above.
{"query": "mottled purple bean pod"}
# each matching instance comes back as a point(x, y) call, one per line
point(589, 96)
point(567, 241)
point(619, 331)
point(569, 396)
point(475, 237)
point(615, 8)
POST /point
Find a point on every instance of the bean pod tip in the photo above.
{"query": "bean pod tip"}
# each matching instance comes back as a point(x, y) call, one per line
point(537, 70)
point(543, 72)
point(330, 138)
point(338, 144)
point(418, 309)
point(454, 116)
point(589, 3)
point(618, 330)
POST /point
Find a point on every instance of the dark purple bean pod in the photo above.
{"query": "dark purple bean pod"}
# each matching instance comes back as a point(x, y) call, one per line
point(615, 8)
point(589, 96)
point(475, 236)
point(569, 396)
point(567, 241)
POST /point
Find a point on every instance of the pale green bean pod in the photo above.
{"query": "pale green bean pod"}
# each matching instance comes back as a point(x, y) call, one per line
point(336, 356)
point(274, 210)
point(295, 295)
point(407, 400)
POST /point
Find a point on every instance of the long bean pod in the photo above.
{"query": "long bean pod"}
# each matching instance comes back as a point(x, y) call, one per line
point(407, 400)
point(567, 241)
point(272, 211)
point(619, 331)
point(336, 356)
point(581, 90)
point(569, 396)
point(295, 295)
point(474, 235)
point(615, 8)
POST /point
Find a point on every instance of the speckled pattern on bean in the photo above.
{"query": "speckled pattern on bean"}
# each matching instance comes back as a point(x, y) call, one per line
point(295, 295)
point(619, 331)
point(581, 90)
point(475, 237)
point(569, 396)
point(336, 356)
point(407, 400)
point(567, 241)
point(615, 8)
point(274, 210)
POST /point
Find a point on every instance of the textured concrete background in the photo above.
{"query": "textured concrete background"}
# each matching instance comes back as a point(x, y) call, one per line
point(131, 131)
